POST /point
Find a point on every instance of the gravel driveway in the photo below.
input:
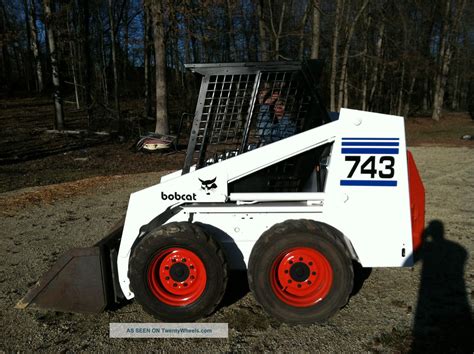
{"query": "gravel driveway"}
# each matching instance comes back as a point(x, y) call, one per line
point(425, 307)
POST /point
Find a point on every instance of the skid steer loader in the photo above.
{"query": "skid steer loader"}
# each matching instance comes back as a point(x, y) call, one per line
point(289, 194)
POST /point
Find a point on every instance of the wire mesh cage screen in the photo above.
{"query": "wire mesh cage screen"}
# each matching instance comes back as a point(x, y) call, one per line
point(244, 107)
point(226, 107)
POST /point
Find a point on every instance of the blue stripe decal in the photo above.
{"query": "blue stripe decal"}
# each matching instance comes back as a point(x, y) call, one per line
point(352, 143)
point(353, 182)
point(369, 151)
point(370, 138)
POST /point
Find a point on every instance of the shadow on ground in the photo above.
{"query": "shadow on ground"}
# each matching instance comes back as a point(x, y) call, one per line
point(443, 318)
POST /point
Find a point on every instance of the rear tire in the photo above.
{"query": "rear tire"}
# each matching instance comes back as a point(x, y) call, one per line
point(300, 271)
point(178, 273)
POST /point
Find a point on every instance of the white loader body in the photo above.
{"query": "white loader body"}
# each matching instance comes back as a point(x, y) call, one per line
point(366, 195)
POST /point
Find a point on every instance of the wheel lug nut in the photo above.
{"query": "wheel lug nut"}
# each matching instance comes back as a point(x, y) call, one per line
point(167, 268)
point(310, 263)
point(192, 277)
point(174, 260)
point(301, 258)
point(286, 271)
point(289, 281)
point(183, 260)
point(185, 284)
point(309, 282)
point(314, 273)
point(299, 285)
point(175, 285)
point(167, 278)
point(291, 262)
point(191, 266)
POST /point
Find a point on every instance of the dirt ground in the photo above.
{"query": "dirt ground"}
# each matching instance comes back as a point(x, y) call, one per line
point(71, 199)
point(425, 307)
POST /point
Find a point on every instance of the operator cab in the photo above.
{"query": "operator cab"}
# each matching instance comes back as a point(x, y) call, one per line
point(243, 106)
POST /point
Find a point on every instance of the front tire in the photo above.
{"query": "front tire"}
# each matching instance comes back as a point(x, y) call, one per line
point(300, 271)
point(178, 273)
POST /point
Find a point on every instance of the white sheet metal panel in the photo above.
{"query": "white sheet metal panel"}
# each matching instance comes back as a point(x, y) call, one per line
point(371, 206)
point(268, 197)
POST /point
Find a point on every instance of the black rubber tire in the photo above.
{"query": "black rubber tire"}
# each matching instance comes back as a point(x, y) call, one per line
point(300, 233)
point(183, 235)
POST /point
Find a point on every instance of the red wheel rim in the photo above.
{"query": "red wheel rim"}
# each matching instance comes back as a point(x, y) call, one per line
point(177, 276)
point(301, 277)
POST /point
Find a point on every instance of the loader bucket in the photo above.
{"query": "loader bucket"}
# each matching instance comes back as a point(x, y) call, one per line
point(82, 280)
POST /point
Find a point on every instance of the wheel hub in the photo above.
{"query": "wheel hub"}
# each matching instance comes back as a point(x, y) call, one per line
point(301, 276)
point(177, 276)
point(299, 271)
point(179, 272)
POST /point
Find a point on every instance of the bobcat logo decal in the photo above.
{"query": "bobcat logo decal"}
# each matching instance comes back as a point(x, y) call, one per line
point(208, 185)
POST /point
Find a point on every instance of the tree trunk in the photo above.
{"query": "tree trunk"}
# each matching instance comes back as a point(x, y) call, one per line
point(230, 29)
point(301, 30)
point(125, 43)
point(365, 64)
point(58, 102)
point(262, 38)
point(381, 85)
point(400, 91)
point(316, 29)
point(156, 8)
point(147, 71)
point(449, 35)
point(114, 66)
point(34, 45)
point(335, 43)
point(86, 57)
point(406, 109)
point(6, 65)
point(346, 89)
point(425, 94)
point(456, 90)
point(27, 66)
point(73, 59)
point(103, 60)
point(276, 32)
point(379, 59)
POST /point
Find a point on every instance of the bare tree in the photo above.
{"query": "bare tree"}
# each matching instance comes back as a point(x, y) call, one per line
point(4, 25)
point(334, 46)
point(230, 30)
point(262, 33)
point(302, 26)
point(103, 64)
point(376, 66)
point(316, 29)
point(147, 59)
point(276, 29)
point(86, 55)
point(34, 44)
point(58, 102)
point(156, 11)
point(345, 55)
point(451, 20)
point(73, 60)
point(391, 57)
point(114, 63)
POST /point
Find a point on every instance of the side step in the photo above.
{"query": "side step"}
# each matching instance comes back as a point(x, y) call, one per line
point(82, 280)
